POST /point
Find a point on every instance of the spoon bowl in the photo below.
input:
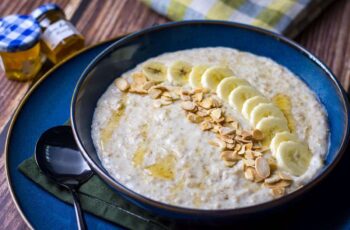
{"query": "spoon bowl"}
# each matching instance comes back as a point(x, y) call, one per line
point(59, 158)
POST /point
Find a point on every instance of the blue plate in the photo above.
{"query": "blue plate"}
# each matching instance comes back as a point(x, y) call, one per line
point(48, 104)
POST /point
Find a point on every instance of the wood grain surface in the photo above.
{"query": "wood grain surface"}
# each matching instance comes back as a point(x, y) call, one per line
point(328, 37)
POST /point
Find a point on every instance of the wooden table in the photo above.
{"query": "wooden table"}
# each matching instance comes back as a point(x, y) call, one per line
point(328, 37)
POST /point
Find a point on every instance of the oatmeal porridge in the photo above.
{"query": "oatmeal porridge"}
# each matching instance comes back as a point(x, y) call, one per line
point(210, 128)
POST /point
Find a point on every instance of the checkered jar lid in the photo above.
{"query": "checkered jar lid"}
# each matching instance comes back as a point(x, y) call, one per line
point(18, 33)
point(43, 9)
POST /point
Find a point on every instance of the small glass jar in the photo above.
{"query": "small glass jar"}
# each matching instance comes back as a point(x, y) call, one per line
point(20, 47)
point(60, 38)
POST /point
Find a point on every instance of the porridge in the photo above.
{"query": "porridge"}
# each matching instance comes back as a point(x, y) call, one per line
point(210, 128)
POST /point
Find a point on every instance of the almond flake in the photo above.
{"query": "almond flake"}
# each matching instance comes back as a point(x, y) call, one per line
point(246, 135)
point(205, 125)
point(277, 192)
point(262, 167)
point(139, 78)
point(235, 125)
point(257, 135)
point(154, 93)
point(216, 103)
point(161, 87)
point(188, 105)
point(273, 179)
point(249, 173)
point(249, 162)
point(194, 118)
point(185, 97)
point(230, 163)
point(148, 85)
point(230, 156)
point(249, 146)
point(229, 119)
point(221, 144)
point(122, 84)
point(279, 184)
point(216, 114)
point(231, 147)
point(227, 139)
point(273, 164)
point(242, 151)
point(206, 103)
point(198, 97)
point(238, 147)
point(249, 154)
point(284, 176)
point(227, 131)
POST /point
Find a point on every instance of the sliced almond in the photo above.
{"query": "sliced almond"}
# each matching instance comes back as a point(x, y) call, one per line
point(246, 135)
point(148, 85)
point(249, 154)
point(273, 179)
point(231, 146)
point(154, 93)
point(139, 78)
point(122, 84)
point(215, 103)
point(257, 135)
point(198, 97)
point(227, 139)
point(249, 162)
point(188, 105)
point(249, 146)
point(229, 119)
point(220, 143)
point(249, 173)
point(281, 183)
point(230, 163)
point(277, 192)
point(262, 167)
point(273, 164)
point(194, 118)
point(230, 156)
point(205, 125)
point(206, 103)
point(185, 97)
point(284, 176)
point(227, 131)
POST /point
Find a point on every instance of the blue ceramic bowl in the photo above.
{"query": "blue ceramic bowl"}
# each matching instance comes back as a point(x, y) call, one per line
point(125, 54)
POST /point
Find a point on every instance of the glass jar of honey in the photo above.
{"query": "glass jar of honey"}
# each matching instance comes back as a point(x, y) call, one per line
point(60, 38)
point(19, 47)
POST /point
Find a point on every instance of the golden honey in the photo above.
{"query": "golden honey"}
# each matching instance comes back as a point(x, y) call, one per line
point(22, 65)
point(60, 38)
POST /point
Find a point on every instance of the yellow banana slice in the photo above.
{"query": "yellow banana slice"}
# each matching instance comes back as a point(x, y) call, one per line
point(212, 76)
point(269, 126)
point(195, 77)
point(240, 94)
point(264, 110)
point(250, 104)
point(279, 138)
point(154, 71)
point(293, 157)
point(179, 72)
point(227, 85)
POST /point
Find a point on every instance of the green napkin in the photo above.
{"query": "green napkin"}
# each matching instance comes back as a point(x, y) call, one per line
point(97, 198)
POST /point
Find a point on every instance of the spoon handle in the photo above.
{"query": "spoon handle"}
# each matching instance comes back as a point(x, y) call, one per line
point(78, 212)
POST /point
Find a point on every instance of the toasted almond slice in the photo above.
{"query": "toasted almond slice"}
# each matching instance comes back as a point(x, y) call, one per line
point(215, 103)
point(154, 93)
point(188, 105)
point(148, 85)
point(227, 131)
point(257, 135)
point(122, 84)
point(206, 103)
point(205, 125)
point(249, 154)
point(227, 139)
point(249, 173)
point(165, 101)
point(249, 162)
point(262, 167)
point(230, 156)
point(272, 179)
point(139, 78)
point(202, 112)
point(137, 89)
point(194, 118)
point(198, 97)
point(185, 97)
point(161, 87)
point(229, 119)
point(284, 176)
point(272, 163)
point(230, 163)
point(279, 191)
point(249, 146)
point(238, 147)
point(281, 183)
point(246, 135)
point(231, 147)
point(242, 150)
point(257, 154)
point(235, 125)
point(221, 144)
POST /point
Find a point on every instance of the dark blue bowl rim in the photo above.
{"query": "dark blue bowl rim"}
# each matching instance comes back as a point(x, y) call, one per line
point(219, 212)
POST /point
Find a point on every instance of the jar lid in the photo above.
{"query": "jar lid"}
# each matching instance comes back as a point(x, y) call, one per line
point(18, 33)
point(43, 9)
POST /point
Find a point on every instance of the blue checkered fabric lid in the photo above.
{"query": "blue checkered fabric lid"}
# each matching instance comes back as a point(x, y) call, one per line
point(43, 9)
point(18, 33)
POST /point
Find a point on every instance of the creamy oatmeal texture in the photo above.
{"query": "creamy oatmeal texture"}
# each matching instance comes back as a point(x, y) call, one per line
point(157, 152)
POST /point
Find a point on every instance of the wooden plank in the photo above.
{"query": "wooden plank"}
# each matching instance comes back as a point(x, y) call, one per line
point(328, 37)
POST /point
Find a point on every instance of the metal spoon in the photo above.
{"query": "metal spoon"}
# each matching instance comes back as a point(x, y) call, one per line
point(58, 157)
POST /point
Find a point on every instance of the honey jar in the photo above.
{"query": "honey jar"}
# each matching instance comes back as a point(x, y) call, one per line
point(19, 47)
point(59, 38)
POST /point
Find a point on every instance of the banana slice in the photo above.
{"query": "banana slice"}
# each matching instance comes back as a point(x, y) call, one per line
point(212, 76)
point(227, 85)
point(154, 71)
point(279, 138)
point(264, 110)
point(196, 76)
point(250, 104)
point(293, 157)
point(240, 94)
point(179, 72)
point(269, 126)
point(284, 103)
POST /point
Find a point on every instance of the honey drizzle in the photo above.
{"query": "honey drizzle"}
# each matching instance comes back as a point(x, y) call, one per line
point(164, 168)
point(107, 131)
